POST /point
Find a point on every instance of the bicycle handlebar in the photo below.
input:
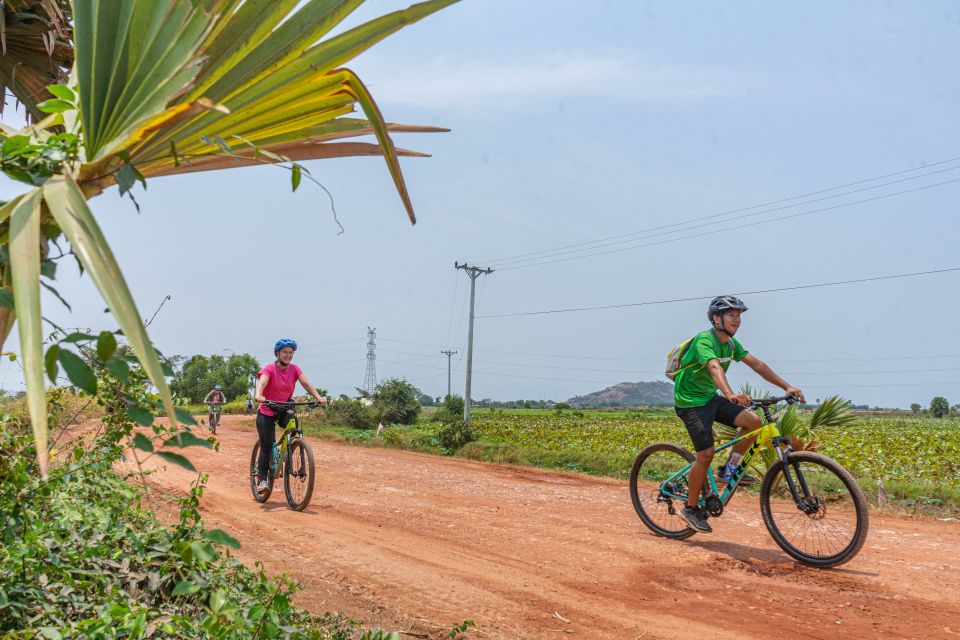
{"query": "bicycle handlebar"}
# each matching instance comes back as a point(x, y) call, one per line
point(768, 402)
point(287, 405)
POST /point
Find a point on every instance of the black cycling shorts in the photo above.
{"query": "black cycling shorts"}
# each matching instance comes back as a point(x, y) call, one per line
point(699, 420)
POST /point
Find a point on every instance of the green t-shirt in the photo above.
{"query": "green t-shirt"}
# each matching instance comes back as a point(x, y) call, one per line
point(694, 386)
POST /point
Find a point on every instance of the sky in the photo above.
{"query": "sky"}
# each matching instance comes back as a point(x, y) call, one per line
point(570, 123)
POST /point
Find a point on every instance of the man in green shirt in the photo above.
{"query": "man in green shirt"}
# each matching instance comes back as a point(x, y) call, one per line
point(702, 372)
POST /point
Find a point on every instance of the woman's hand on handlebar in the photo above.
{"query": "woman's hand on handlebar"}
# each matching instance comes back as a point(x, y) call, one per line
point(260, 399)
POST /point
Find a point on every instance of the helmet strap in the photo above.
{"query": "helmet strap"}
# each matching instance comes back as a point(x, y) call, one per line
point(721, 327)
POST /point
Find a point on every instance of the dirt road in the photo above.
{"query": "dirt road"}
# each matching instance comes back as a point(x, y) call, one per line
point(417, 543)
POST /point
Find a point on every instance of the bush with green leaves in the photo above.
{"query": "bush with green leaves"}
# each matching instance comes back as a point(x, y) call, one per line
point(349, 412)
point(395, 402)
point(81, 558)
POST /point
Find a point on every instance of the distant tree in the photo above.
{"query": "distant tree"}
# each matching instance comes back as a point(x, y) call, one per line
point(424, 399)
point(916, 407)
point(939, 407)
point(200, 373)
point(395, 401)
point(956, 409)
point(560, 406)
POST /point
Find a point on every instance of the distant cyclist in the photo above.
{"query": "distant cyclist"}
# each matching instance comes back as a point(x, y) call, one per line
point(215, 400)
point(701, 374)
point(276, 382)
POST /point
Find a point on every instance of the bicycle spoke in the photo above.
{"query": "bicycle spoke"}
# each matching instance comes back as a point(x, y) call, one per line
point(658, 496)
point(827, 525)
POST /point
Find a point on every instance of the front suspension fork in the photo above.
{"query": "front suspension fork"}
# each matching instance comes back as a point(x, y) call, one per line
point(801, 498)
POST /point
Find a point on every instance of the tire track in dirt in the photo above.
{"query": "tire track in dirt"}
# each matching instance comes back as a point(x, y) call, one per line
point(417, 543)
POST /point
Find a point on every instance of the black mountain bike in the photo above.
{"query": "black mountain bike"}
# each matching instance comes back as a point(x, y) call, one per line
point(291, 458)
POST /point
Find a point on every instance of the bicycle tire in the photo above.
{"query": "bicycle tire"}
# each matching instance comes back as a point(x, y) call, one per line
point(859, 512)
point(300, 461)
point(637, 494)
point(255, 478)
point(212, 422)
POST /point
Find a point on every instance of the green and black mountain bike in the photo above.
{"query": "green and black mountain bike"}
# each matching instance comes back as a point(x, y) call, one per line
point(811, 505)
point(291, 458)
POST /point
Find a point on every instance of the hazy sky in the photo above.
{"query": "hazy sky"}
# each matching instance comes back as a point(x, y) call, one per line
point(571, 125)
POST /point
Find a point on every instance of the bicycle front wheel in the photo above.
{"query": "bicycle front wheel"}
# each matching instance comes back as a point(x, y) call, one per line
point(827, 524)
point(657, 510)
point(298, 475)
point(255, 476)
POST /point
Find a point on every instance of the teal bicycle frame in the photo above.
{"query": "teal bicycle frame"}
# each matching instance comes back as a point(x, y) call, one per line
point(767, 435)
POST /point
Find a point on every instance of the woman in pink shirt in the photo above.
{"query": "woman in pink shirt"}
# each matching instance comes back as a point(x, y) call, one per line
point(276, 382)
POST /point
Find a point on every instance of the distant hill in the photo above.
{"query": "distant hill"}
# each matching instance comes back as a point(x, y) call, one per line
point(628, 394)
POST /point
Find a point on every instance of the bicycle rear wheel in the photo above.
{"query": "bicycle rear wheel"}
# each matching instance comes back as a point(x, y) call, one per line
point(653, 465)
point(298, 475)
point(830, 525)
point(255, 477)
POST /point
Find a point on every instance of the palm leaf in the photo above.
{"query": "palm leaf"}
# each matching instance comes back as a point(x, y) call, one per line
point(25, 268)
point(278, 87)
point(69, 208)
point(833, 412)
point(216, 83)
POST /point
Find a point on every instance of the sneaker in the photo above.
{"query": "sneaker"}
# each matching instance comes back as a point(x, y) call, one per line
point(262, 487)
point(693, 516)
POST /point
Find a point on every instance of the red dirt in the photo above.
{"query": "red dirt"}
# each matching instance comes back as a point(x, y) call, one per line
point(417, 543)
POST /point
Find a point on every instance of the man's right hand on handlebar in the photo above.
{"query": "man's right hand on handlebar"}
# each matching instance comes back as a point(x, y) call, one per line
point(741, 399)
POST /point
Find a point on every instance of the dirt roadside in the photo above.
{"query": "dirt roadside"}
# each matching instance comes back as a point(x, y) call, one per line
point(417, 543)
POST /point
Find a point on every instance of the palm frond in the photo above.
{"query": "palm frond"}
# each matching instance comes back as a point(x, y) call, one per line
point(833, 412)
point(278, 88)
point(25, 266)
point(69, 208)
point(160, 87)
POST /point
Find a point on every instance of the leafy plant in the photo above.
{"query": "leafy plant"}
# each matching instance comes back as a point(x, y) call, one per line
point(395, 401)
point(166, 87)
point(454, 434)
point(350, 412)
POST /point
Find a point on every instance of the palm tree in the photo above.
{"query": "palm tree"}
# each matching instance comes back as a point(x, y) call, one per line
point(161, 87)
point(36, 48)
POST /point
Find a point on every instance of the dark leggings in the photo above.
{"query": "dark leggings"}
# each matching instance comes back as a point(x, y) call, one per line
point(267, 430)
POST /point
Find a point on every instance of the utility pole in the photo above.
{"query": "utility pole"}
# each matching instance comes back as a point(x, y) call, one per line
point(474, 273)
point(370, 379)
point(448, 353)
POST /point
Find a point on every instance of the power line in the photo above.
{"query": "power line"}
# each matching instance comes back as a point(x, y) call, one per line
point(648, 233)
point(741, 293)
point(660, 372)
point(733, 228)
point(425, 356)
point(733, 211)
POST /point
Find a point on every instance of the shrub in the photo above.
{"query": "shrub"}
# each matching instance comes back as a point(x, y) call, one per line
point(350, 412)
point(395, 402)
point(454, 434)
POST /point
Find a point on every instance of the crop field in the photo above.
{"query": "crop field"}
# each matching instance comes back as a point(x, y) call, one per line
point(918, 456)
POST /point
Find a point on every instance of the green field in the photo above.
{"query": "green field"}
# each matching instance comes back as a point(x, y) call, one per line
point(917, 457)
